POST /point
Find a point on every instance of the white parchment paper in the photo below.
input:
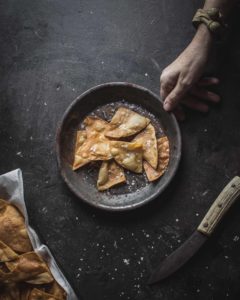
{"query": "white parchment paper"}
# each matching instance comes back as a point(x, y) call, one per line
point(11, 189)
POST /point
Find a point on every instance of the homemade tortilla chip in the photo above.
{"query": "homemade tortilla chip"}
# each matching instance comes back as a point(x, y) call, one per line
point(79, 161)
point(128, 155)
point(80, 139)
point(125, 123)
point(149, 142)
point(110, 174)
point(92, 150)
point(6, 253)
point(163, 160)
point(13, 231)
point(95, 146)
point(40, 295)
point(27, 267)
point(57, 291)
point(96, 127)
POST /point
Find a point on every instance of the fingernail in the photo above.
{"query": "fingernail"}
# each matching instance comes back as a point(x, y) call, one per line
point(167, 106)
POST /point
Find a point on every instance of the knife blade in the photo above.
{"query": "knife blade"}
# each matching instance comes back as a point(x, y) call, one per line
point(180, 256)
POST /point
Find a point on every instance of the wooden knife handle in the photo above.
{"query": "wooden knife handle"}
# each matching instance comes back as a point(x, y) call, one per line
point(220, 206)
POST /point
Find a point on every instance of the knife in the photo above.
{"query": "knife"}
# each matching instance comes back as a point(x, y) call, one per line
point(180, 256)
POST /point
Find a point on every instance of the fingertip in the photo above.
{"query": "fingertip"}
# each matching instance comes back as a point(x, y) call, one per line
point(167, 106)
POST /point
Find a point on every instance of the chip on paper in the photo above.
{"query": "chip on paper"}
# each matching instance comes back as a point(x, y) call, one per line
point(125, 123)
point(128, 155)
point(110, 174)
point(148, 139)
point(37, 294)
point(27, 267)
point(13, 231)
point(57, 291)
point(6, 253)
point(163, 160)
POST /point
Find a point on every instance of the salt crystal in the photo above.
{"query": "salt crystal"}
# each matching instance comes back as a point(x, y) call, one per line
point(236, 238)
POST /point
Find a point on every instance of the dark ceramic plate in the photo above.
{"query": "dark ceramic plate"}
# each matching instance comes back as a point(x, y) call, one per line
point(102, 101)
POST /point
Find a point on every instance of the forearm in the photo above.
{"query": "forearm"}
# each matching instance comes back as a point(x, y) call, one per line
point(203, 36)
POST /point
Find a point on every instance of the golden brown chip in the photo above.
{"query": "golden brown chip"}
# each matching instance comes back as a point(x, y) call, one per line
point(92, 150)
point(57, 291)
point(80, 139)
point(96, 127)
point(163, 160)
point(95, 147)
point(125, 123)
point(13, 231)
point(6, 253)
point(27, 267)
point(3, 204)
point(10, 292)
point(110, 174)
point(79, 161)
point(40, 295)
point(149, 142)
point(128, 155)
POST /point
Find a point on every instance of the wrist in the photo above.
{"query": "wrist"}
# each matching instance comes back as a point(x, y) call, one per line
point(203, 38)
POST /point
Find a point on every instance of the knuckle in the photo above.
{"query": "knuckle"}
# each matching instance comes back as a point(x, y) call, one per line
point(185, 83)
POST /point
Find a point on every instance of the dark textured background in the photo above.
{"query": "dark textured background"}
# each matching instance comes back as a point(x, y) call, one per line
point(50, 52)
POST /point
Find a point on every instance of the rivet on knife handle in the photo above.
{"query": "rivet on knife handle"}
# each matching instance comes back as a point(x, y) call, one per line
point(221, 205)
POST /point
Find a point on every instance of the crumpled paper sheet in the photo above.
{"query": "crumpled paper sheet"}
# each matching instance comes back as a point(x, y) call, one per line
point(11, 189)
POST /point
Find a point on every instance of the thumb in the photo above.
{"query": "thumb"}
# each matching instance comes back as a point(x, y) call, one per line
point(175, 96)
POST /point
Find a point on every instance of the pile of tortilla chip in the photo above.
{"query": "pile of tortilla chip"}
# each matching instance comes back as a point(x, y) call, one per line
point(104, 141)
point(23, 273)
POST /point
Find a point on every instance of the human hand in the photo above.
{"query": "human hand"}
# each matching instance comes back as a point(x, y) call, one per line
point(181, 82)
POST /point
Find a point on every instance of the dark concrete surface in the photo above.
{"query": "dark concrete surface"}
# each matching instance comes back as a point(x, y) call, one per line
point(50, 52)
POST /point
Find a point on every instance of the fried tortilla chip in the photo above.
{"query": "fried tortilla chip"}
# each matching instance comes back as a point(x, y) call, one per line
point(125, 123)
point(110, 174)
point(40, 295)
point(79, 161)
point(149, 142)
point(128, 155)
point(6, 253)
point(163, 160)
point(10, 292)
point(80, 139)
point(13, 231)
point(3, 204)
point(27, 267)
point(57, 291)
point(96, 127)
point(92, 150)
point(95, 147)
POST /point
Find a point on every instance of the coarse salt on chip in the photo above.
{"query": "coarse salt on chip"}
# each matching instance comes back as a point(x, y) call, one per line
point(128, 155)
point(125, 123)
point(13, 231)
point(79, 161)
point(92, 150)
point(110, 174)
point(94, 146)
point(95, 127)
point(148, 139)
point(163, 160)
